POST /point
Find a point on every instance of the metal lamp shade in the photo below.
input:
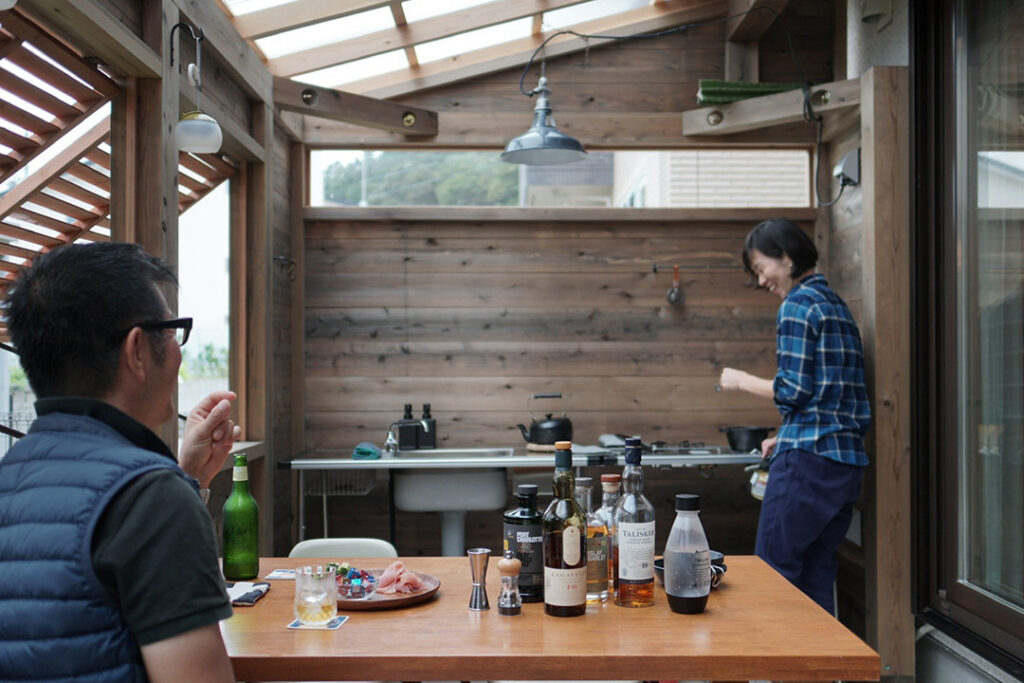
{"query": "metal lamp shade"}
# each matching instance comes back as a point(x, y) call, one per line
point(197, 133)
point(543, 144)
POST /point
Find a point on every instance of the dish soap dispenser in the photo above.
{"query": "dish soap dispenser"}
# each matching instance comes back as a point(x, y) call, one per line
point(407, 428)
point(426, 430)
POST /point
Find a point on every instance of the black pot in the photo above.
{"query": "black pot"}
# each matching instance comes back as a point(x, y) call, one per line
point(746, 439)
point(550, 429)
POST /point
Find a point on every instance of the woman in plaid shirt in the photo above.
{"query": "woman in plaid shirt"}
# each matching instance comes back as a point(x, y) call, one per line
point(817, 458)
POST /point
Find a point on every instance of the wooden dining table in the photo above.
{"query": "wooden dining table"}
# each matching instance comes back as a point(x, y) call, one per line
point(756, 626)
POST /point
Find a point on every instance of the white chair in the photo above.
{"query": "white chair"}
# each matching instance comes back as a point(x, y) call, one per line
point(343, 547)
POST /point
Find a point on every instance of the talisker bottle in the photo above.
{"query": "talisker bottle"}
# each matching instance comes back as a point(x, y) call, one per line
point(565, 543)
point(241, 527)
point(523, 530)
point(634, 534)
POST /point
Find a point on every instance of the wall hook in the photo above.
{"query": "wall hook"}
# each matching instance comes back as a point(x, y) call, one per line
point(285, 261)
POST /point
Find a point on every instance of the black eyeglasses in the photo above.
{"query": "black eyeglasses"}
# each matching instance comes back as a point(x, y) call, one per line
point(182, 328)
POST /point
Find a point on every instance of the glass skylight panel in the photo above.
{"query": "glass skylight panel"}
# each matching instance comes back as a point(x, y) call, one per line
point(474, 40)
point(417, 10)
point(337, 76)
point(239, 7)
point(588, 11)
point(326, 32)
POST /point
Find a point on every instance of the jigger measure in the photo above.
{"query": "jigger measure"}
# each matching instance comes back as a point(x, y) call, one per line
point(478, 566)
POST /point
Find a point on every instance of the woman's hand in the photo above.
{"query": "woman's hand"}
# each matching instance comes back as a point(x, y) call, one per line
point(732, 379)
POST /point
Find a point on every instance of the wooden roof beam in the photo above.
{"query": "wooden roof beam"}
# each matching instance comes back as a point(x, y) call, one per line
point(236, 56)
point(357, 109)
point(755, 16)
point(771, 110)
point(299, 13)
point(427, 30)
point(86, 23)
point(645, 19)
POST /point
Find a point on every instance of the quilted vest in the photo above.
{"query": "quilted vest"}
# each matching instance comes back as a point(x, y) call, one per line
point(56, 620)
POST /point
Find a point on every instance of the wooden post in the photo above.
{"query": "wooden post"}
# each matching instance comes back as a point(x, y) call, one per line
point(259, 260)
point(124, 163)
point(885, 179)
point(156, 197)
point(299, 198)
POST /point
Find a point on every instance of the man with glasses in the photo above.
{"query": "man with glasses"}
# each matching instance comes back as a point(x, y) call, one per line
point(108, 561)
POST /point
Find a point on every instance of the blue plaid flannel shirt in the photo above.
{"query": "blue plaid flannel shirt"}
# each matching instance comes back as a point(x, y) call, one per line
point(819, 386)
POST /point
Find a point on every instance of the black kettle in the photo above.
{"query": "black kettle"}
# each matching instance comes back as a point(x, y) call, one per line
point(550, 429)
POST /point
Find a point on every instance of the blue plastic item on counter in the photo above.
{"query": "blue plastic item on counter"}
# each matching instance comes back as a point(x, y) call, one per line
point(366, 451)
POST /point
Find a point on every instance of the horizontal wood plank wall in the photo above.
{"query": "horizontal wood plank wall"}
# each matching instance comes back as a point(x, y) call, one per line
point(474, 317)
point(628, 94)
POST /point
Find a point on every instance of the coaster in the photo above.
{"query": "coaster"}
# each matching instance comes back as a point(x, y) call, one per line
point(331, 625)
point(281, 574)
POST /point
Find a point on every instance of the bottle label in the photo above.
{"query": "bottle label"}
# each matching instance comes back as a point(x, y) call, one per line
point(565, 587)
point(240, 474)
point(571, 545)
point(527, 542)
point(636, 550)
point(597, 558)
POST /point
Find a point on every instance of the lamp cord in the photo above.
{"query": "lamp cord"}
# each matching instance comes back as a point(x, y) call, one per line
point(810, 115)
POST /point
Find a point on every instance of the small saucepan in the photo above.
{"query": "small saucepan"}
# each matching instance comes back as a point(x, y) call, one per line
point(746, 439)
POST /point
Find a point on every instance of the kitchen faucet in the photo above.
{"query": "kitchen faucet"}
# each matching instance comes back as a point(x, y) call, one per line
point(391, 442)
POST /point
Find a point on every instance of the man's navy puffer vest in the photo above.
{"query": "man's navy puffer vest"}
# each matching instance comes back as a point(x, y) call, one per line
point(56, 620)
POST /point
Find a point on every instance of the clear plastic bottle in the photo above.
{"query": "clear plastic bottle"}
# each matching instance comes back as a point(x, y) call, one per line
point(597, 544)
point(634, 534)
point(687, 559)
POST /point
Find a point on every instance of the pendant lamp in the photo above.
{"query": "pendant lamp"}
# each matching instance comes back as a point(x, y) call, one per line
point(196, 132)
point(543, 144)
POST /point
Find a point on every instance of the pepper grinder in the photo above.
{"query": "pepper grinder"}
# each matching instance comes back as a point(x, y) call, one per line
point(509, 602)
point(478, 567)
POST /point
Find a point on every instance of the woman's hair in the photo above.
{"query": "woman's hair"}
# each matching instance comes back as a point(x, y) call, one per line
point(777, 237)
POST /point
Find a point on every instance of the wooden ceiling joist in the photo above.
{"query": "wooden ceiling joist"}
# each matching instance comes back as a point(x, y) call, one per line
point(357, 109)
point(83, 22)
point(771, 110)
point(751, 18)
point(424, 31)
point(298, 13)
point(647, 19)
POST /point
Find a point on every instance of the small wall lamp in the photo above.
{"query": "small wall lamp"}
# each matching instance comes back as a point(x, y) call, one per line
point(196, 132)
point(7, 4)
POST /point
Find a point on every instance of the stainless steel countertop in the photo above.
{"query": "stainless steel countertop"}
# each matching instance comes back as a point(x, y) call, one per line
point(520, 457)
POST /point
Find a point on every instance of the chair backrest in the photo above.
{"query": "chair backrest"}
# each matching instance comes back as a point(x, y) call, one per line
point(343, 548)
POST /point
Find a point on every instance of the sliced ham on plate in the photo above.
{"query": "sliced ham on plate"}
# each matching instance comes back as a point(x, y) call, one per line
point(397, 579)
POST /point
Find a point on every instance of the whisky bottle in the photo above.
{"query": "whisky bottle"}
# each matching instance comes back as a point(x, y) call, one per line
point(610, 485)
point(597, 544)
point(634, 534)
point(523, 532)
point(241, 526)
point(565, 543)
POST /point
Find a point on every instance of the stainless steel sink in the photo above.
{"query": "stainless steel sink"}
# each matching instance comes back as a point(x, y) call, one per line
point(468, 453)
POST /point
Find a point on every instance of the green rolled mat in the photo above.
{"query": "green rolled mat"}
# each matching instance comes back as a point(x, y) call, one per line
point(718, 91)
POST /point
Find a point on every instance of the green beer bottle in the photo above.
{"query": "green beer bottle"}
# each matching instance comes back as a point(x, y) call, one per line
point(241, 527)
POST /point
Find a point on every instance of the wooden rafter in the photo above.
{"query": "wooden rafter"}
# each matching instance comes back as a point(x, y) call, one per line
point(358, 109)
point(754, 18)
point(398, 14)
point(435, 28)
point(512, 54)
point(299, 13)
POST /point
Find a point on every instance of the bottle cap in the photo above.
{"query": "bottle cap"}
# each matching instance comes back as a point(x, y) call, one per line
point(688, 501)
point(563, 445)
point(584, 481)
point(633, 450)
point(526, 490)
point(614, 478)
point(563, 458)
